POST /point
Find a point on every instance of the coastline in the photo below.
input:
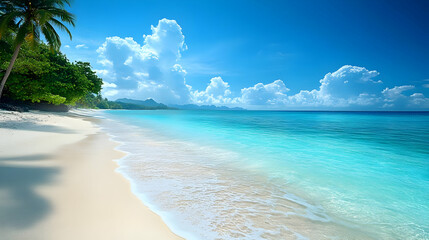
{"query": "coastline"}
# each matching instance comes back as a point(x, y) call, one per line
point(58, 180)
point(216, 175)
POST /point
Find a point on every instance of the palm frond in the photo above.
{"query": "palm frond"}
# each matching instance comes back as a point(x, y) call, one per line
point(47, 3)
point(7, 19)
point(63, 15)
point(43, 16)
point(55, 40)
point(23, 31)
point(33, 17)
point(60, 26)
point(34, 36)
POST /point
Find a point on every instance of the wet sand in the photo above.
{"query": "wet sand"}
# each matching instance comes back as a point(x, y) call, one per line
point(58, 181)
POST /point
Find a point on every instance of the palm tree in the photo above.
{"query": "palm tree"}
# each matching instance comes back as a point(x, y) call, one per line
point(30, 18)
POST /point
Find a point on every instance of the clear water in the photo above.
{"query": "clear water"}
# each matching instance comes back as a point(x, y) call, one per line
point(279, 175)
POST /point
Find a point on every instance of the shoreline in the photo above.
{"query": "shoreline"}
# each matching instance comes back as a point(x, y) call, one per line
point(167, 160)
point(164, 215)
point(60, 181)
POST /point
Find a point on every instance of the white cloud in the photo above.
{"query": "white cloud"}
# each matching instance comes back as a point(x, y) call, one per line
point(104, 62)
point(347, 88)
point(260, 94)
point(365, 99)
point(110, 93)
point(150, 70)
point(349, 85)
point(393, 94)
point(80, 46)
point(66, 46)
point(418, 99)
point(311, 98)
point(349, 82)
point(153, 69)
point(396, 97)
point(102, 72)
point(217, 92)
point(109, 85)
point(166, 41)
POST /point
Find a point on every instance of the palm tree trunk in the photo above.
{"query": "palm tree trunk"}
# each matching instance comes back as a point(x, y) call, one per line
point(9, 69)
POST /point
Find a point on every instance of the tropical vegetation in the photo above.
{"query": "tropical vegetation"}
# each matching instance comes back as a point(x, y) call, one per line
point(34, 71)
point(41, 73)
point(28, 20)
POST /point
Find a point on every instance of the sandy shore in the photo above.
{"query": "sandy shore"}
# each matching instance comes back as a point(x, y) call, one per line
point(58, 181)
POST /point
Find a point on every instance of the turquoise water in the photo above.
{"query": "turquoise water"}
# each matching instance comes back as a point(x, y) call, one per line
point(279, 175)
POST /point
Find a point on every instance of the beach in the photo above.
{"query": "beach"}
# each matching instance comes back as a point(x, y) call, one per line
point(163, 174)
point(58, 181)
point(214, 120)
point(278, 175)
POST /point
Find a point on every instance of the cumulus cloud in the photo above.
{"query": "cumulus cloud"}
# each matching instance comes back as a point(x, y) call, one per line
point(217, 92)
point(347, 88)
point(102, 72)
point(349, 85)
point(397, 97)
point(348, 82)
point(150, 70)
point(261, 94)
point(311, 98)
point(393, 94)
point(80, 46)
point(418, 99)
point(109, 85)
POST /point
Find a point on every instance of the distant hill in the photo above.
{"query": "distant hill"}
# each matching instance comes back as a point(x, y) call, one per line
point(127, 103)
point(203, 107)
point(140, 104)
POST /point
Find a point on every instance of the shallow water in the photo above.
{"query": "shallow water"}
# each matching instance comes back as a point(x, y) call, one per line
point(279, 175)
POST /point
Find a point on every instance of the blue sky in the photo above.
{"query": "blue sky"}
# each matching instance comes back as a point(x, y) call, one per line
point(326, 54)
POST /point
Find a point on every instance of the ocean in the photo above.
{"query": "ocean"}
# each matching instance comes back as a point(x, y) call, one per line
point(279, 175)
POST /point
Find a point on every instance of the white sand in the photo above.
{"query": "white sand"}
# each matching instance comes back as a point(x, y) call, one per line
point(57, 181)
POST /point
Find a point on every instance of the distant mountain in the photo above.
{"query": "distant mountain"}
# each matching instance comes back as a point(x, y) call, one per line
point(148, 104)
point(202, 107)
point(127, 103)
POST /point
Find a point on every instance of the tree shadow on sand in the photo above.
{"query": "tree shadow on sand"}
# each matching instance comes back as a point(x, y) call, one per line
point(20, 205)
point(33, 126)
point(35, 157)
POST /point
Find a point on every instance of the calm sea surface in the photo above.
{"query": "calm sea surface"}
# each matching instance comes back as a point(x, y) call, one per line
point(279, 175)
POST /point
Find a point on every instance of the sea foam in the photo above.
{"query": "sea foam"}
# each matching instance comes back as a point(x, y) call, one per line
point(216, 176)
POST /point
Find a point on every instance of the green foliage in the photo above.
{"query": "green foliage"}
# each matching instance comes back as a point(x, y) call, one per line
point(6, 49)
point(31, 18)
point(96, 101)
point(40, 74)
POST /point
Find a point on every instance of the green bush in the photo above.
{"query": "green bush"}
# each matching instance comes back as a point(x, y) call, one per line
point(40, 74)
